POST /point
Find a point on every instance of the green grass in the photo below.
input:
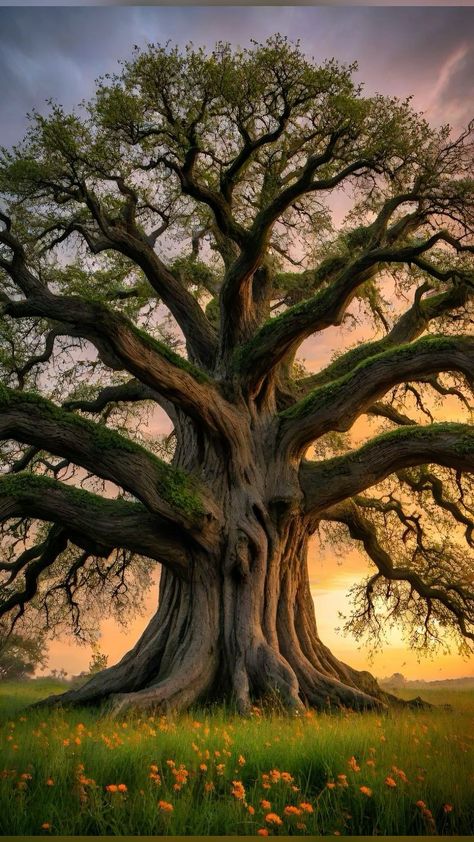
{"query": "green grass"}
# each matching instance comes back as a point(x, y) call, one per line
point(81, 753)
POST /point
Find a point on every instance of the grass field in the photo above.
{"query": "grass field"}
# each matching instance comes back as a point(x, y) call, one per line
point(75, 772)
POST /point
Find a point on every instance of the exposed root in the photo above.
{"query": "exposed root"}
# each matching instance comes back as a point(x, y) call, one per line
point(272, 673)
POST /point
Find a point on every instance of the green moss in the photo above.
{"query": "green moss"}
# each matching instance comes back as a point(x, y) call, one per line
point(179, 490)
point(213, 312)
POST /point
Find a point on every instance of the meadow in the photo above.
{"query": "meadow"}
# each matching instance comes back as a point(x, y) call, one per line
point(76, 772)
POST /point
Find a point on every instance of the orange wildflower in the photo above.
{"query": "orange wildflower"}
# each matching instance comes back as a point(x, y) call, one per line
point(273, 818)
point(241, 760)
point(208, 787)
point(366, 790)
point(353, 765)
point(275, 776)
point(400, 774)
point(122, 787)
point(46, 826)
point(251, 810)
point(292, 811)
point(170, 763)
point(390, 782)
point(307, 808)
point(165, 806)
point(238, 790)
point(300, 825)
point(265, 805)
point(448, 808)
point(262, 831)
point(330, 785)
point(203, 767)
point(370, 762)
point(112, 788)
point(154, 768)
point(50, 782)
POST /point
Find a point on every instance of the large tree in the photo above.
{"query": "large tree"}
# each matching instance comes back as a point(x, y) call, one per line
point(171, 244)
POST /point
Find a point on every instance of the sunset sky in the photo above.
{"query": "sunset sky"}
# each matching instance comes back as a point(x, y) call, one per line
point(429, 53)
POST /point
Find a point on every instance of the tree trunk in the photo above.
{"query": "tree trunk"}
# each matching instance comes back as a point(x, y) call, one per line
point(243, 627)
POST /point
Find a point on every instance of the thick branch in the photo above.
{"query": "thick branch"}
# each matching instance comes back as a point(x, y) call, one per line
point(408, 327)
point(165, 491)
point(333, 480)
point(123, 345)
point(384, 410)
point(123, 235)
point(281, 335)
point(90, 519)
point(337, 405)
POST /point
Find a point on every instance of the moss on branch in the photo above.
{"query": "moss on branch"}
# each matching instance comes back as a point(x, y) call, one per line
point(319, 398)
point(174, 486)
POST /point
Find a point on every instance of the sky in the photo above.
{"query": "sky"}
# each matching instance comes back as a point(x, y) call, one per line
point(48, 52)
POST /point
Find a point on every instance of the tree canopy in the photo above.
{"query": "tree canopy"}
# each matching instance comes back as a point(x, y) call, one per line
point(172, 243)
